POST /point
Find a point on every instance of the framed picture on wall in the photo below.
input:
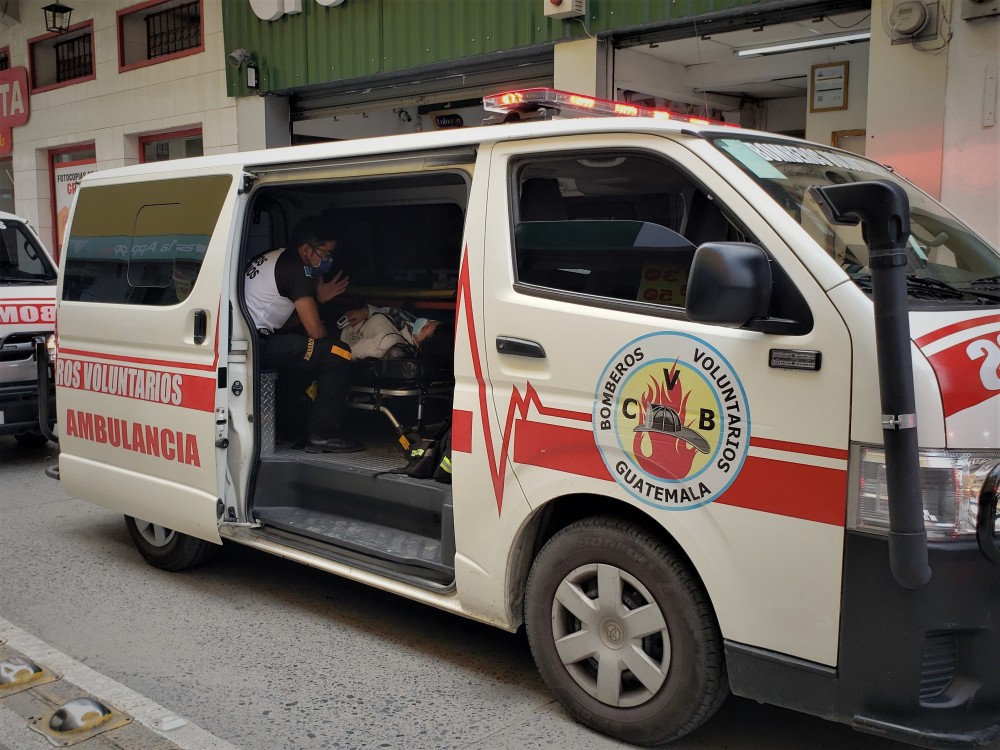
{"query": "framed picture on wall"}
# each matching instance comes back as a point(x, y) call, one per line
point(828, 87)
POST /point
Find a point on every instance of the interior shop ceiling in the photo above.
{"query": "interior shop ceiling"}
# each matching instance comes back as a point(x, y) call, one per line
point(712, 66)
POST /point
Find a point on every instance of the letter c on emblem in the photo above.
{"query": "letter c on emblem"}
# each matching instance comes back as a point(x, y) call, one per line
point(625, 404)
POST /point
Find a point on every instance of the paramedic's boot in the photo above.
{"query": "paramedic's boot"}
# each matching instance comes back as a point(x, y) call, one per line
point(333, 445)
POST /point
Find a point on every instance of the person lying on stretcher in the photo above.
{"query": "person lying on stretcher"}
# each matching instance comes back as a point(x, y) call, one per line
point(388, 332)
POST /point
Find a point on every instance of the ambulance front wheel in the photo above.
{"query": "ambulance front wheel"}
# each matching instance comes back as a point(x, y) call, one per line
point(166, 548)
point(623, 633)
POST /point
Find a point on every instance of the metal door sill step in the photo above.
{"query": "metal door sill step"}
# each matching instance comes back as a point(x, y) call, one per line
point(376, 540)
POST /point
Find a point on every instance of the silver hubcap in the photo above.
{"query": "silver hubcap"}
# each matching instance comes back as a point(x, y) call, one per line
point(158, 536)
point(610, 635)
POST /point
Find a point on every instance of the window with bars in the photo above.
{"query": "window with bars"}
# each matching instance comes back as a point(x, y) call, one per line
point(73, 59)
point(151, 33)
point(59, 59)
point(173, 30)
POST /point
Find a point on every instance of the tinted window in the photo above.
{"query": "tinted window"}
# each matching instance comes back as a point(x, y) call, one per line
point(620, 226)
point(141, 244)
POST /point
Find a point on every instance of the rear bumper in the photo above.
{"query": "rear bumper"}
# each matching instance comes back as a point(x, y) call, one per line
point(917, 666)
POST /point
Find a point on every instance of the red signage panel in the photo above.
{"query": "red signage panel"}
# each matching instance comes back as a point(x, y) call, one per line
point(14, 106)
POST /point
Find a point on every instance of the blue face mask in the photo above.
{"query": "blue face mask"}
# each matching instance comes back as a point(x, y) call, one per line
point(324, 265)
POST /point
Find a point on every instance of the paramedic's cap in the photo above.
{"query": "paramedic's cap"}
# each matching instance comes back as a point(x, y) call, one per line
point(418, 326)
point(666, 421)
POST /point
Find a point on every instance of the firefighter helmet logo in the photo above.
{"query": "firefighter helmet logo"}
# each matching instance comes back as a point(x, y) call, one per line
point(671, 420)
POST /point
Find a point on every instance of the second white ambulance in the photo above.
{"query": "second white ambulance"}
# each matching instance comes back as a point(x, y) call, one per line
point(27, 313)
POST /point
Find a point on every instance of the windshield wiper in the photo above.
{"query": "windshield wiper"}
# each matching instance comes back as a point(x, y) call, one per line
point(946, 290)
point(922, 287)
point(987, 282)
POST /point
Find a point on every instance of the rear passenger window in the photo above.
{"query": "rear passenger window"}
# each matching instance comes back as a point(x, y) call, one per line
point(622, 226)
point(141, 244)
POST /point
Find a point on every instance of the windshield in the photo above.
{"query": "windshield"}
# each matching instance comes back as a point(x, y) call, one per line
point(22, 260)
point(947, 263)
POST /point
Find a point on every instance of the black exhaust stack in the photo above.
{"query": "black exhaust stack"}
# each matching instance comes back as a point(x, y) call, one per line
point(884, 212)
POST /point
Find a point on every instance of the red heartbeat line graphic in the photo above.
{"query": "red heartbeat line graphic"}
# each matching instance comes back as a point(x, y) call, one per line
point(517, 404)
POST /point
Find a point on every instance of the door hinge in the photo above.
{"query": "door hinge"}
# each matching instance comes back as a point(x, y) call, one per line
point(249, 178)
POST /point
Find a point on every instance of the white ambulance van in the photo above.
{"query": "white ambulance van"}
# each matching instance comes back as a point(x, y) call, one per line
point(27, 313)
point(724, 410)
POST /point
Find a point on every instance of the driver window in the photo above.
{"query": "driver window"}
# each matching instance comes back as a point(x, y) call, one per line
point(621, 226)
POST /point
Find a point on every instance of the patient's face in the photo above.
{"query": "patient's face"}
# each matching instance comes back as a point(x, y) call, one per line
point(427, 331)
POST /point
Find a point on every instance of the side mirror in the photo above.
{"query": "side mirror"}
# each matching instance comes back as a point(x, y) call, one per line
point(729, 284)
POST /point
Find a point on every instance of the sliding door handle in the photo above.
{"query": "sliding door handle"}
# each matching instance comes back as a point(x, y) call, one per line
point(520, 347)
point(200, 326)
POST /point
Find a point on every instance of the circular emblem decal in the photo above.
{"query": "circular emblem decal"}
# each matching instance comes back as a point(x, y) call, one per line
point(671, 420)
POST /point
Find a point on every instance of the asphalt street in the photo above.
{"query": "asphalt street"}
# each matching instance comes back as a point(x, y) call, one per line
point(259, 652)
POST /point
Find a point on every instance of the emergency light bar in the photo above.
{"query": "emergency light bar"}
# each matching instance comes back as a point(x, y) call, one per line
point(568, 104)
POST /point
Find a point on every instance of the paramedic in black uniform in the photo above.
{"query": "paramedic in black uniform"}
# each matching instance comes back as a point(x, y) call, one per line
point(283, 291)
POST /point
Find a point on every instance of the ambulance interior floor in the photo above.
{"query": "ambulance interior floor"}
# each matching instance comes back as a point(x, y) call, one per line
point(373, 430)
point(359, 507)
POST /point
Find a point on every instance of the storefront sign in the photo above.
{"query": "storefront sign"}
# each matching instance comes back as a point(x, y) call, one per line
point(452, 120)
point(272, 10)
point(65, 180)
point(14, 107)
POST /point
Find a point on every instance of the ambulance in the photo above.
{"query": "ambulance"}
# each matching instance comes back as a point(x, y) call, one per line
point(27, 313)
point(724, 409)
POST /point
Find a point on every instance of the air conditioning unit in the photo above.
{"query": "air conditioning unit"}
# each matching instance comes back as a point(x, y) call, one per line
point(564, 8)
point(10, 13)
point(913, 21)
point(979, 9)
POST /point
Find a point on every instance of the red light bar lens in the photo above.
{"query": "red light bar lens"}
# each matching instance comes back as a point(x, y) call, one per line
point(581, 105)
point(626, 110)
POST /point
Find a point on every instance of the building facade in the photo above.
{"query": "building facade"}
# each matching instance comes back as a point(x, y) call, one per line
point(126, 83)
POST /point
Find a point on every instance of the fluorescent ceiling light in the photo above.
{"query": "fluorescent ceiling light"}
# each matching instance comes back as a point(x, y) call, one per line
point(813, 43)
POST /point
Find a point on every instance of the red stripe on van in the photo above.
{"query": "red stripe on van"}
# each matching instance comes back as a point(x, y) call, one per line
point(556, 447)
point(940, 333)
point(136, 383)
point(140, 360)
point(812, 493)
point(966, 382)
point(807, 449)
point(461, 431)
point(198, 393)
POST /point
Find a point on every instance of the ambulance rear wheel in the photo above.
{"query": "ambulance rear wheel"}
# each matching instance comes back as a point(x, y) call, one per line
point(623, 633)
point(166, 548)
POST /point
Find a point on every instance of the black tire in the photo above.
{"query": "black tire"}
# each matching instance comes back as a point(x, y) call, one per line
point(30, 440)
point(168, 549)
point(681, 678)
